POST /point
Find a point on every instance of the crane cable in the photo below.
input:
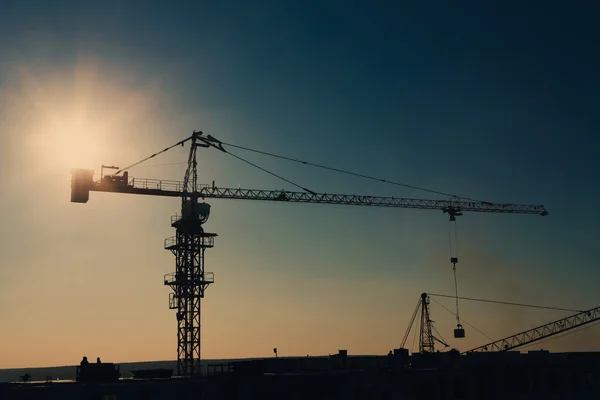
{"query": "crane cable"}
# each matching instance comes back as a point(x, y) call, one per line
point(412, 349)
point(181, 142)
point(160, 165)
point(351, 173)
point(301, 162)
point(410, 325)
point(507, 303)
point(454, 260)
point(226, 152)
point(466, 322)
point(271, 173)
point(439, 337)
point(456, 295)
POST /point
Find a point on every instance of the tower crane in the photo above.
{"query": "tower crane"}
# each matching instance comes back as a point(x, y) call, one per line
point(190, 280)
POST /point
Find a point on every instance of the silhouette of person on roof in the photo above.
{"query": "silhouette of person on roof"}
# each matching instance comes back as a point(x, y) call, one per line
point(83, 367)
point(98, 361)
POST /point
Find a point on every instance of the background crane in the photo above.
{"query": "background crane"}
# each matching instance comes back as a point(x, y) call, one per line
point(189, 281)
point(426, 338)
point(541, 332)
point(426, 327)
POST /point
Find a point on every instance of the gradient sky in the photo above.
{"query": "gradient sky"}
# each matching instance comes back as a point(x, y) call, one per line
point(496, 102)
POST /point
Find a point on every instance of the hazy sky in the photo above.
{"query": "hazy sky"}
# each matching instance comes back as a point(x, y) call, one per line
point(496, 102)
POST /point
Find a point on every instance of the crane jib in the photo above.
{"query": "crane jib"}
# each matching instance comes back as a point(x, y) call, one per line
point(540, 332)
point(82, 183)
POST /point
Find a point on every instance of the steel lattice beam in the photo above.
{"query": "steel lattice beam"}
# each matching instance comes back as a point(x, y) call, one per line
point(189, 281)
point(175, 189)
point(541, 332)
point(426, 343)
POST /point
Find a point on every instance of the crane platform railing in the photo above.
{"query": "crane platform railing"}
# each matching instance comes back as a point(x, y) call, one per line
point(174, 278)
point(154, 184)
point(207, 241)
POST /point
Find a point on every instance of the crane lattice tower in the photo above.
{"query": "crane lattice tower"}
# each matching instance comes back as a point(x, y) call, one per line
point(190, 280)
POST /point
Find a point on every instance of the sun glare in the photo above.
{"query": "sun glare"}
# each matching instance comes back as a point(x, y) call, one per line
point(72, 145)
point(77, 114)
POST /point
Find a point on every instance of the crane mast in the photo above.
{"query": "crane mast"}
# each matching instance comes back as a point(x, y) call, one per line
point(189, 281)
point(426, 339)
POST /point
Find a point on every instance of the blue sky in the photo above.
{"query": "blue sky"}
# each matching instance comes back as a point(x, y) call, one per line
point(494, 101)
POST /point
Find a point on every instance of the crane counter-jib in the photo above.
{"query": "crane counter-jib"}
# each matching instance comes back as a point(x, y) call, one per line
point(82, 183)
